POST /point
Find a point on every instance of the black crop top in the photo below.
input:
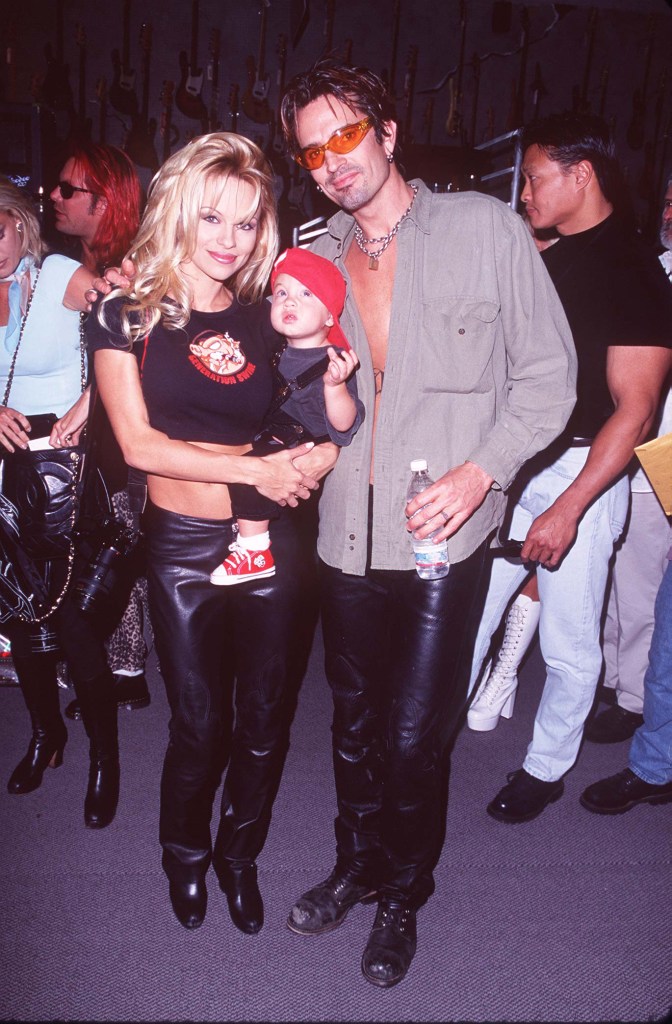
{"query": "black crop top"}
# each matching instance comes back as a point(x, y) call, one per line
point(211, 381)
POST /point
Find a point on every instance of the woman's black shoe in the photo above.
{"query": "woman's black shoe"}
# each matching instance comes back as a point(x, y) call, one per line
point(102, 795)
point(189, 901)
point(238, 881)
point(44, 751)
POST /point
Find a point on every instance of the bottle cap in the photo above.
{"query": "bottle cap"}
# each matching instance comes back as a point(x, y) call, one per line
point(418, 465)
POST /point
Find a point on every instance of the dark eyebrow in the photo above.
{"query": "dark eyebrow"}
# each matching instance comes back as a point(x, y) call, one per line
point(319, 145)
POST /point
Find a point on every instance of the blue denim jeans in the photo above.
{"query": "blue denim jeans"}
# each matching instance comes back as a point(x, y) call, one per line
point(572, 601)
point(651, 747)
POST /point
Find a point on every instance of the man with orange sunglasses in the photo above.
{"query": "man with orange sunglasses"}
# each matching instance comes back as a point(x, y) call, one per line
point(466, 360)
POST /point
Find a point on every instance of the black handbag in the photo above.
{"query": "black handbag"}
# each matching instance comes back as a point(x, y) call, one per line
point(38, 510)
point(42, 485)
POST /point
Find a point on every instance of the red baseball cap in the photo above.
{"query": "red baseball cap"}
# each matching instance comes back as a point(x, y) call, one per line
point(322, 278)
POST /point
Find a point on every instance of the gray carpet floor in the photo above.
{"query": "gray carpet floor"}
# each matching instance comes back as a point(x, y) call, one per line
point(566, 918)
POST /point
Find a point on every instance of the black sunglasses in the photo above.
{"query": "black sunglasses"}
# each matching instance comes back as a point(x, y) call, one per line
point(67, 190)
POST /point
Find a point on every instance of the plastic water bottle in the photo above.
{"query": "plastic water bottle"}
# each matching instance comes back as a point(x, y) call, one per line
point(431, 560)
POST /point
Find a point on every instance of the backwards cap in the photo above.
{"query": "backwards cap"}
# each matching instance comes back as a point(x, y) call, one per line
point(322, 278)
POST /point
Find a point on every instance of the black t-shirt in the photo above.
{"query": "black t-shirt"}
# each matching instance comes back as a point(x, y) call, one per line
point(614, 292)
point(211, 381)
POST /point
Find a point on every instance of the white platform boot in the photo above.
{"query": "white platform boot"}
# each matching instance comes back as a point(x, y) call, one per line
point(497, 693)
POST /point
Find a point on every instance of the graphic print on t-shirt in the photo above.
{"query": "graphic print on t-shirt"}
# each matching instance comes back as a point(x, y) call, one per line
point(220, 357)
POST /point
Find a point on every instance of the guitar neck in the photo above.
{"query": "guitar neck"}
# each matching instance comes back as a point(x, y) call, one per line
point(194, 35)
point(82, 79)
point(395, 44)
point(126, 37)
point(146, 37)
point(262, 43)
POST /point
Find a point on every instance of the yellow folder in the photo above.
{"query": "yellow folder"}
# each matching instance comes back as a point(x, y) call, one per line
point(656, 459)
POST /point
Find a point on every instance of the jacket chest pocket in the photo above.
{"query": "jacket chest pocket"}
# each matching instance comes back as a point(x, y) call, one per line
point(460, 337)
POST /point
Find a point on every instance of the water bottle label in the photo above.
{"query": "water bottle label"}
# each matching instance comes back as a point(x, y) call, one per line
point(432, 556)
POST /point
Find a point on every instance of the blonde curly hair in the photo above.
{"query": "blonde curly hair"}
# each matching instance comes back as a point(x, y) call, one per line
point(19, 204)
point(168, 231)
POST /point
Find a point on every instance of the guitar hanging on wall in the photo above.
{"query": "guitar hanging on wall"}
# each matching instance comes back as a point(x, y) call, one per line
point(122, 90)
point(140, 139)
point(188, 97)
point(214, 124)
point(278, 144)
point(409, 94)
point(646, 186)
point(168, 131)
point(255, 98)
point(516, 116)
point(389, 77)
point(581, 104)
point(101, 95)
point(81, 126)
point(476, 69)
point(454, 123)
point(635, 130)
point(234, 93)
point(54, 89)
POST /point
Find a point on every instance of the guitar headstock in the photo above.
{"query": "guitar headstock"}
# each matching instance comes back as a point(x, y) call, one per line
point(146, 37)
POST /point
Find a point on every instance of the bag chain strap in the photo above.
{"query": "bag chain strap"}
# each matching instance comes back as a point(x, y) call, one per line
point(74, 456)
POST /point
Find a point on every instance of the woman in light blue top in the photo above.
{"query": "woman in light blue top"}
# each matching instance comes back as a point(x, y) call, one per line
point(41, 355)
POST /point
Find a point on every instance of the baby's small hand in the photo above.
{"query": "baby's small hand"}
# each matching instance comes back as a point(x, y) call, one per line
point(341, 366)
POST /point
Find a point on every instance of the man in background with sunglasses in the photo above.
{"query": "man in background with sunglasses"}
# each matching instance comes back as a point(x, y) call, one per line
point(466, 360)
point(97, 201)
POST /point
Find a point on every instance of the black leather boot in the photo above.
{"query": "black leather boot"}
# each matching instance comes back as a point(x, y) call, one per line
point(39, 686)
point(99, 714)
point(130, 692)
point(238, 881)
point(188, 890)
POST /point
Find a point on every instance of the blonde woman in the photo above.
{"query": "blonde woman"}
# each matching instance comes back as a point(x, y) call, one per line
point(183, 364)
point(43, 370)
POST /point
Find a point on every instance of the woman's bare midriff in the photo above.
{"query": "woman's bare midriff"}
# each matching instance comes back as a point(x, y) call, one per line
point(202, 500)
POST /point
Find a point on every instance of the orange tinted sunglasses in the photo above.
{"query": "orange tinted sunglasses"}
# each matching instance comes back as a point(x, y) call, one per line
point(344, 140)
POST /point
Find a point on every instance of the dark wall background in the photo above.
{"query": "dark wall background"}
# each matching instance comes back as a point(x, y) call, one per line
point(461, 72)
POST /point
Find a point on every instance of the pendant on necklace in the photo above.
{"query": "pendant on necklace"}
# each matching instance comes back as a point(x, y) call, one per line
point(373, 263)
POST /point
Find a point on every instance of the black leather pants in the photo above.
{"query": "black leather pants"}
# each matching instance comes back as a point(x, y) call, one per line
point(80, 638)
point(398, 653)
point(230, 659)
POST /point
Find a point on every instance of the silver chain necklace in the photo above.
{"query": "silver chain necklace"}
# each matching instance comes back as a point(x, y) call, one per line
point(362, 242)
